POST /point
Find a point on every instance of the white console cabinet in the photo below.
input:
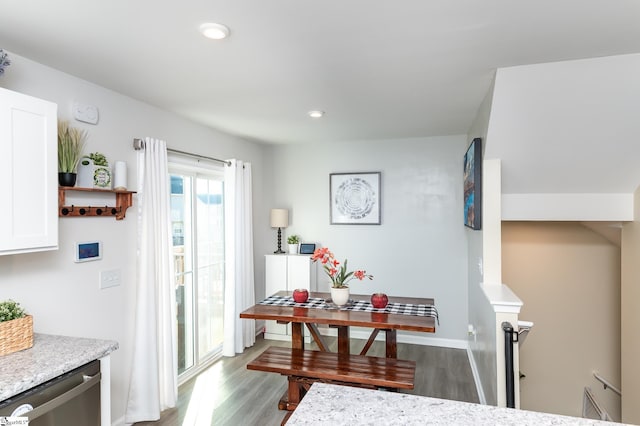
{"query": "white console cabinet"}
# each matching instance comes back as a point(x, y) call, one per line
point(286, 272)
point(29, 173)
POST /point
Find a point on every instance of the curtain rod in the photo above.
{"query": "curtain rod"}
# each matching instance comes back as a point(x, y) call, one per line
point(138, 144)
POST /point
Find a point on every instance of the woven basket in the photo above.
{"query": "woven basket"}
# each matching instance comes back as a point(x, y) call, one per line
point(16, 335)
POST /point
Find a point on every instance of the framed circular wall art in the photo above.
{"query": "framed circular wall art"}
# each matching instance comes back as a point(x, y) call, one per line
point(355, 198)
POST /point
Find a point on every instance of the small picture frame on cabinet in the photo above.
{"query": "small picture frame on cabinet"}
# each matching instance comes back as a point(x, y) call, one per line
point(307, 248)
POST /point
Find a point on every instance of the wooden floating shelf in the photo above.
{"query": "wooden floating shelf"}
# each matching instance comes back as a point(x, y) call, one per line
point(124, 200)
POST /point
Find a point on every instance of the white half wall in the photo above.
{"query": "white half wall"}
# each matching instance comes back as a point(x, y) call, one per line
point(480, 331)
point(630, 317)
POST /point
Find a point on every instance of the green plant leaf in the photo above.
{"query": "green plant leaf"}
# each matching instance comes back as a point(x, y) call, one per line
point(10, 310)
point(70, 144)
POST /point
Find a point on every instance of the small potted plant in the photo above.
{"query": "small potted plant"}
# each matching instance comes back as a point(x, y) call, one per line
point(70, 144)
point(293, 241)
point(16, 328)
point(94, 171)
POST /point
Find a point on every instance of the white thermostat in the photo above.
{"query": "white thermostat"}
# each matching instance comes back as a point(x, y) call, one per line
point(88, 251)
point(85, 113)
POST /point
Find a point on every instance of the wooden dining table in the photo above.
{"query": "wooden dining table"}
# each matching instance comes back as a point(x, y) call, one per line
point(342, 320)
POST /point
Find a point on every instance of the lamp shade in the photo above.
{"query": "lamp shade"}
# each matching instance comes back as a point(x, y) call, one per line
point(279, 218)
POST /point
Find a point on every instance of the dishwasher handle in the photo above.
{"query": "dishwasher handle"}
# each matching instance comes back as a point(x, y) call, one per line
point(90, 381)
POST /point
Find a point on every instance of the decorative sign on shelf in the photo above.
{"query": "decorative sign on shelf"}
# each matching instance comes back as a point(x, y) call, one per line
point(102, 177)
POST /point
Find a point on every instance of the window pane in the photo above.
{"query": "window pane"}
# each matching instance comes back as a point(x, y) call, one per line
point(184, 299)
point(210, 237)
point(183, 265)
point(197, 223)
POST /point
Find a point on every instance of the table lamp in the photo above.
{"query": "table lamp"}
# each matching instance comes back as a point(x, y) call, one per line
point(279, 219)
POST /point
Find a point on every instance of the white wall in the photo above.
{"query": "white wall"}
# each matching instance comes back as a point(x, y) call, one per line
point(567, 128)
point(420, 248)
point(630, 317)
point(481, 314)
point(63, 296)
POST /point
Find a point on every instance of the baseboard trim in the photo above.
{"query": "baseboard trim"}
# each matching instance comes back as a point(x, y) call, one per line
point(476, 376)
point(283, 337)
point(415, 339)
point(274, 336)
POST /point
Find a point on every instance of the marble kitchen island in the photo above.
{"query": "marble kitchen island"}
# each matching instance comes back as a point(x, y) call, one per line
point(327, 404)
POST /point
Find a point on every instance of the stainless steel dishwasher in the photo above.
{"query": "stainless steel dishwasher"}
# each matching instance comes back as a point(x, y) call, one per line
point(70, 399)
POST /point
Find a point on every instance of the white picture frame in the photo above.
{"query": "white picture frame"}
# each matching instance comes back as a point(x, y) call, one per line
point(355, 198)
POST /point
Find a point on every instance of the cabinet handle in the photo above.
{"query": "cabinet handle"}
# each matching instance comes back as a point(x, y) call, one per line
point(90, 381)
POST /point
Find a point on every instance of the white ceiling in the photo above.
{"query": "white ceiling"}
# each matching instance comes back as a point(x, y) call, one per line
point(380, 69)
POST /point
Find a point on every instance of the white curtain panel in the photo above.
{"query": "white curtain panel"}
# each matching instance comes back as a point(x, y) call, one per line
point(153, 386)
point(239, 292)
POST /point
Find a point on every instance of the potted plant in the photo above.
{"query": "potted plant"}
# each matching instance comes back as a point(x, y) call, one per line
point(70, 144)
point(16, 328)
point(338, 274)
point(98, 159)
point(94, 171)
point(293, 241)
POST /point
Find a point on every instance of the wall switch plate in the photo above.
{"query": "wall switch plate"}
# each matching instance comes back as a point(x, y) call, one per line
point(110, 278)
point(85, 113)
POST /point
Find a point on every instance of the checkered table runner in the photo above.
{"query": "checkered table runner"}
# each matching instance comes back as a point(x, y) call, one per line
point(359, 305)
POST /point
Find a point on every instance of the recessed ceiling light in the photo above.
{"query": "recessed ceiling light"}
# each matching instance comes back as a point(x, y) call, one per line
point(315, 113)
point(214, 31)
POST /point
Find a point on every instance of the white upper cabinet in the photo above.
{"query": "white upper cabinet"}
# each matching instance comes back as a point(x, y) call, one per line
point(28, 173)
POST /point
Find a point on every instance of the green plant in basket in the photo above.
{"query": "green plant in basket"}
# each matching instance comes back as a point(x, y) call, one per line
point(10, 310)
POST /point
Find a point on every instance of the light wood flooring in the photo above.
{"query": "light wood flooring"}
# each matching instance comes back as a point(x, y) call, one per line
point(229, 394)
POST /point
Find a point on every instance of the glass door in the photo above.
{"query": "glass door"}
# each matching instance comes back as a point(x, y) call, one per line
point(197, 220)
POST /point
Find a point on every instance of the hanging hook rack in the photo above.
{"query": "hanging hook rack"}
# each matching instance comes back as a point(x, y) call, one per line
point(123, 200)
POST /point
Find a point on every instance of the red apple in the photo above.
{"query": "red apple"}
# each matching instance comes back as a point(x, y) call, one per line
point(379, 300)
point(300, 295)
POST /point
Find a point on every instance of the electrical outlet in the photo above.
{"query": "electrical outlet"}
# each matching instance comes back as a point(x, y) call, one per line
point(110, 278)
point(472, 332)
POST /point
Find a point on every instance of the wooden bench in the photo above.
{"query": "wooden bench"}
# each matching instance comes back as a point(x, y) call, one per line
point(304, 367)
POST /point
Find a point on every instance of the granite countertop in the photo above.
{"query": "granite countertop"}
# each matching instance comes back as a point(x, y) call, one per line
point(49, 357)
point(327, 404)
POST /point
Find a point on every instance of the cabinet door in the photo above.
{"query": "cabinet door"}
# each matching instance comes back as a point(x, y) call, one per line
point(298, 272)
point(28, 171)
point(275, 274)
